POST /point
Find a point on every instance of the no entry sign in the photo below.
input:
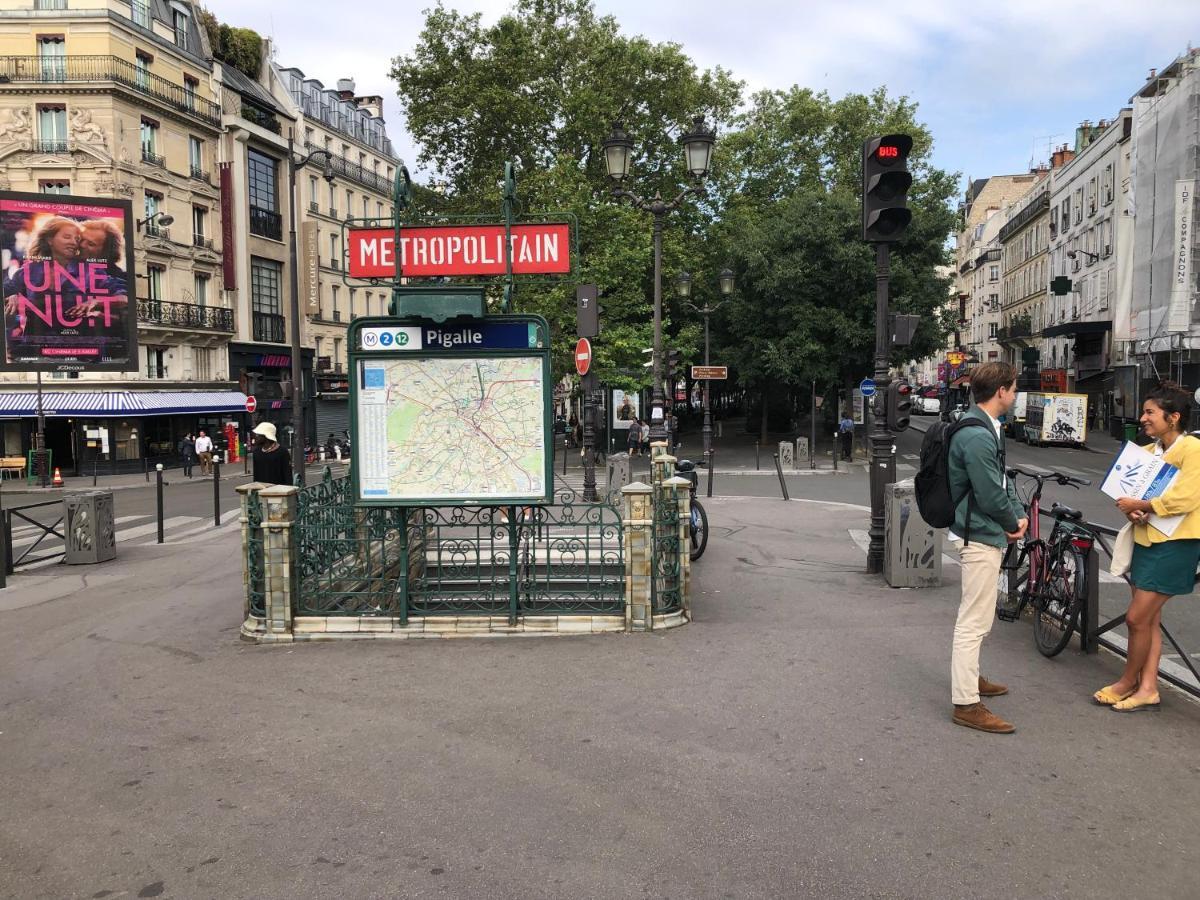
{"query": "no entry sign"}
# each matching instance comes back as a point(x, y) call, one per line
point(251, 404)
point(542, 248)
point(583, 356)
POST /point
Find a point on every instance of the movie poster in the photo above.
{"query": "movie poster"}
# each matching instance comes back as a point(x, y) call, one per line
point(67, 265)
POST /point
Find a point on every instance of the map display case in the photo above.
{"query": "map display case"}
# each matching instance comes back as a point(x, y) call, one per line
point(451, 412)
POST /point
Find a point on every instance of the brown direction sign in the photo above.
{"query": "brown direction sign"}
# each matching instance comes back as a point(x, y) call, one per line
point(710, 373)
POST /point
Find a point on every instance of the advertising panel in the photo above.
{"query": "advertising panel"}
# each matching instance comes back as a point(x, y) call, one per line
point(68, 283)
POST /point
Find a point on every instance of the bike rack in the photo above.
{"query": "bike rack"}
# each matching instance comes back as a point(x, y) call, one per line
point(1091, 631)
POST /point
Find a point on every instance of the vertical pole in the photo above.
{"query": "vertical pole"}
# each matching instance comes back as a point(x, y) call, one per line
point(707, 429)
point(299, 435)
point(216, 491)
point(514, 586)
point(589, 444)
point(39, 439)
point(1091, 604)
point(146, 468)
point(757, 467)
point(658, 429)
point(710, 476)
point(883, 463)
point(95, 467)
point(812, 442)
point(779, 472)
point(159, 493)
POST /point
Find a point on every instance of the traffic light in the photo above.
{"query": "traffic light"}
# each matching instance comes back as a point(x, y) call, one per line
point(587, 311)
point(885, 184)
point(673, 366)
point(899, 405)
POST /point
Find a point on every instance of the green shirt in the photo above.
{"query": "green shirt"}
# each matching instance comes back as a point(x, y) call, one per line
point(977, 462)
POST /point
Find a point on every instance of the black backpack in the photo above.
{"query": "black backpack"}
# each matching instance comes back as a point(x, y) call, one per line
point(933, 481)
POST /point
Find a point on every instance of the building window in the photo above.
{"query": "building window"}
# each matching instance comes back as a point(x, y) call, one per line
point(334, 256)
point(349, 203)
point(313, 197)
point(1091, 196)
point(201, 289)
point(379, 210)
point(190, 88)
point(199, 224)
point(332, 199)
point(1108, 184)
point(52, 57)
point(337, 313)
point(262, 169)
point(52, 129)
point(337, 353)
point(351, 310)
point(154, 282)
point(156, 362)
point(203, 363)
point(1066, 213)
point(140, 13)
point(993, 273)
point(181, 21)
point(54, 187)
point(308, 137)
point(142, 70)
point(991, 329)
point(1077, 202)
point(195, 156)
point(149, 132)
point(265, 300)
point(366, 207)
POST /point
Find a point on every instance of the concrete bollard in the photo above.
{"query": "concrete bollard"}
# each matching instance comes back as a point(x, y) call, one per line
point(912, 555)
point(786, 459)
point(801, 459)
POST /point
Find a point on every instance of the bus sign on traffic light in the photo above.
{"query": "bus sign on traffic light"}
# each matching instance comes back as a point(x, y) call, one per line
point(885, 184)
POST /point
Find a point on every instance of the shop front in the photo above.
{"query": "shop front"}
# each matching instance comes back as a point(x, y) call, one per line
point(113, 432)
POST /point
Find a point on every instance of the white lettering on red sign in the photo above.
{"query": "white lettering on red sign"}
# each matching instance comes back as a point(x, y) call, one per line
point(537, 249)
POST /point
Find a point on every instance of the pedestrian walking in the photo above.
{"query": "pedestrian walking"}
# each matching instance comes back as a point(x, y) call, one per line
point(633, 437)
point(673, 433)
point(204, 450)
point(988, 516)
point(645, 437)
point(272, 463)
point(187, 451)
point(846, 434)
point(1163, 566)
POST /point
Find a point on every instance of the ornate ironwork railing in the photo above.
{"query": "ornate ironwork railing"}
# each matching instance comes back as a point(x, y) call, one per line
point(86, 68)
point(563, 559)
point(270, 328)
point(260, 117)
point(184, 315)
point(51, 147)
point(666, 563)
point(256, 590)
point(266, 223)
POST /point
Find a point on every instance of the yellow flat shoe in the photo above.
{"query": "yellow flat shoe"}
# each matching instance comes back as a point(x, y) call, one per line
point(1106, 696)
point(1131, 704)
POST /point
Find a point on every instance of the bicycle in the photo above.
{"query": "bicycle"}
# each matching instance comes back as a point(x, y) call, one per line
point(698, 527)
point(1048, 574)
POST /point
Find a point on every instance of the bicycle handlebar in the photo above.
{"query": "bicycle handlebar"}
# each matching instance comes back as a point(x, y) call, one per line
point(1041, 477)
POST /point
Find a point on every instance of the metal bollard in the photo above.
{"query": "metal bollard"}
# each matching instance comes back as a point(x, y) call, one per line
point(216, 490)
point(158, 470)
point(836, 450)
point(710, 472)
point(782, 483)
point(146, 468)
point(757, 467)
point(95, 467)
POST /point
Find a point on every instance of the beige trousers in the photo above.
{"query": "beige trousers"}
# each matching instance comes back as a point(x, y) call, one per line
point(976, 612)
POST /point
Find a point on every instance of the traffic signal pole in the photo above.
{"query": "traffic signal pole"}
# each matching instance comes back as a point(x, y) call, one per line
point(883, 460)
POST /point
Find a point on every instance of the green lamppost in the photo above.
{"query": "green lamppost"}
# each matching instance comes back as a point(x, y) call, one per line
point(697, 145)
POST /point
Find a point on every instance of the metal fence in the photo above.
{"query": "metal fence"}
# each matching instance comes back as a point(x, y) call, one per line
point(256, 576)
point(566, 558)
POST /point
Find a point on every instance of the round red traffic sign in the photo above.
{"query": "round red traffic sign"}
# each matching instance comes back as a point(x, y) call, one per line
point(583, 356)
point(251, 404)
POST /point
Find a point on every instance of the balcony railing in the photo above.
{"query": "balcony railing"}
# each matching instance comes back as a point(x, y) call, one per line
point(261, 118)
point(200, 174)
point(149, 156)
point(50, 4)
point(333, 212)
point(51, 147)
point(204, 243)
point(314, 207)
point(270, 328)
point(77, 69)
point(266, 224)
point(153, 229)
point(356, 173)
point(337, 315)
point(184, 315)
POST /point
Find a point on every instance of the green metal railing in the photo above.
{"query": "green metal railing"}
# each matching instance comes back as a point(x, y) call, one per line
point(566, 558)
point(256, 589)
point(666, 563)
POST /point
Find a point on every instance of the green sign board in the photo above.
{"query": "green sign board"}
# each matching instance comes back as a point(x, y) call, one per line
point(449, 412)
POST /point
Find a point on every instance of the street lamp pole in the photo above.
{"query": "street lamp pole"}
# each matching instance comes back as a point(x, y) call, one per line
point(298, 429)
point(698, 144)
point(684, 285)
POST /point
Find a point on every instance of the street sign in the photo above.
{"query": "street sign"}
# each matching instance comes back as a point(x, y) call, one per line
point(542, 248)
point(1060, 286)
point(867, 387)
point(583, 356)
point(710, 373)
point(251, 404)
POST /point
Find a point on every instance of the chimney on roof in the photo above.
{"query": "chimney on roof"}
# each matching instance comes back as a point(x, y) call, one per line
point(1061, 157)
point(345, 89)
point(372, 105)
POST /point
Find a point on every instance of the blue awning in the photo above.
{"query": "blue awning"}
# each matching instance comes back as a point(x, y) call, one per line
point(23, 404)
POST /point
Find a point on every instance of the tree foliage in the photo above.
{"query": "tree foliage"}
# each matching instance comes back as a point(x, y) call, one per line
point(237, 47)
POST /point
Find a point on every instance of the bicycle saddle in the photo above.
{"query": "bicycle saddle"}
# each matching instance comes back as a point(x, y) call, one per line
point(685, 465)
point(1065, 512)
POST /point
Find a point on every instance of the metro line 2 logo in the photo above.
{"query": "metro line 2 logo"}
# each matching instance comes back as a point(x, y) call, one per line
point(400, 339)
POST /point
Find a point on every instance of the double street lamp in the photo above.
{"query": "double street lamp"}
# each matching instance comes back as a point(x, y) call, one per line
point(683, 286)
point(298, 429)
point(618, 148)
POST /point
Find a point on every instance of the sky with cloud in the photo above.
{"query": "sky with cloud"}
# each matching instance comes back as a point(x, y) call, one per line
point(997, 83)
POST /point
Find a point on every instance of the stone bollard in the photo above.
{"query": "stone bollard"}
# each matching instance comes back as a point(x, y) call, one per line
point(279, 551)
point(801, 458)
point(638, 526)
point(786, 459)
point(912, 555)
point(618, 470)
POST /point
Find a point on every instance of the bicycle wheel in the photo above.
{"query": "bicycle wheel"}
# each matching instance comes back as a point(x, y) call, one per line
point(698, 530)
point(1056, 608)
point(1010, 585)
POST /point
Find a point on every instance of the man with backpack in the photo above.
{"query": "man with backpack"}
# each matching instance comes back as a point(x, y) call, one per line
point(962, 485)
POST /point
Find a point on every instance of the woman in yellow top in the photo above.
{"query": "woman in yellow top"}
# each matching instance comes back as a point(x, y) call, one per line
point(1163, 566)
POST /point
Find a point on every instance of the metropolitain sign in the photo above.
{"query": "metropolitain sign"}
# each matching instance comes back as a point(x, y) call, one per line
point(542, 248)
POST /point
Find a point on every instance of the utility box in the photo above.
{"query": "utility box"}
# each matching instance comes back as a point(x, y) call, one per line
point(801, 459)
point(786, 460)
point(912, 552)
point(90, 528)
point(618, 471)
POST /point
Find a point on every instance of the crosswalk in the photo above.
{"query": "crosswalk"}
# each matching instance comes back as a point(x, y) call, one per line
point(139, 530)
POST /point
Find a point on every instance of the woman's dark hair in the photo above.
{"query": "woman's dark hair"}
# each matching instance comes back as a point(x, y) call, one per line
point(1171, 399)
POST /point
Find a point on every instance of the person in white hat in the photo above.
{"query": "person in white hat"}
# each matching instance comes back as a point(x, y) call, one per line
point(272, 463)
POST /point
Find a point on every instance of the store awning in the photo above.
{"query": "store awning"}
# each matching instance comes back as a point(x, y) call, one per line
point(1077, 328)
point(23, 404)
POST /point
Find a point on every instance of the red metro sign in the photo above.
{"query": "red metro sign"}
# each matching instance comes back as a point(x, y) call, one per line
point(542, 248)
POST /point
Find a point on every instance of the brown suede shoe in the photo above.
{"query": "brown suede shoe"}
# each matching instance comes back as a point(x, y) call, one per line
point(978, 717)
point(990, 688)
